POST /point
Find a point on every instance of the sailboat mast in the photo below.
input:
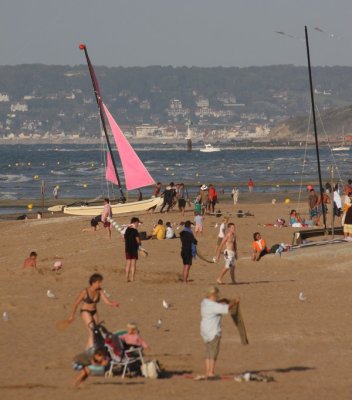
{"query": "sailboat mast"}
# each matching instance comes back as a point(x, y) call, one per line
point(101, 112)
point(315, 128)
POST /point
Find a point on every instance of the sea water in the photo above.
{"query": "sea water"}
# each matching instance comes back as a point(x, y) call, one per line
point(79, 169)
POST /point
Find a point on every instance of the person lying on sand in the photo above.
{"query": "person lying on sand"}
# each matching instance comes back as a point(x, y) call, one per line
point(31, 261)
point(98, 366)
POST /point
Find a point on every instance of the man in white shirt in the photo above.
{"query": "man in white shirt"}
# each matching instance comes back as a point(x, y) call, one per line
point(211, 310)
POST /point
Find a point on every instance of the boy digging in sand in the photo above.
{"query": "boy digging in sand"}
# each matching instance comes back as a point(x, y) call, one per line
point(230, 253)
point(31, 261)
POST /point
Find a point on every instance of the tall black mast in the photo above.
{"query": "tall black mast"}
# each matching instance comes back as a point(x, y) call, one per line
point(101, 112)
point(315, 129)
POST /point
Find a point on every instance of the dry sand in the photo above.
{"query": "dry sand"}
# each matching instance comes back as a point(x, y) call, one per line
point(305, 346)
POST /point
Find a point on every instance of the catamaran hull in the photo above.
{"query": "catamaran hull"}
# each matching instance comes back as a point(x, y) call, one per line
point(121, 208)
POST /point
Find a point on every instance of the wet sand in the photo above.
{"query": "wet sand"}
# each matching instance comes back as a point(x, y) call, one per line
point(304, 345)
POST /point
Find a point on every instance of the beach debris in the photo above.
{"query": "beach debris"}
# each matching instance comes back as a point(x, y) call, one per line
point(166, 305)
point(50, 294)
point(158, 324)
point(302, 297)
point(254, 377)
point(5, 316)
point(107, 294)
point(57, 266)
point(214, 259)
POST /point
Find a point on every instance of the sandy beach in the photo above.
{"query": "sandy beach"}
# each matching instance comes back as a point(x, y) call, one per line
point(303, 345)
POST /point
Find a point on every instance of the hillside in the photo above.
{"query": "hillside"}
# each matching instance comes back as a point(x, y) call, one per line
point(39, 98)
point(333, 124)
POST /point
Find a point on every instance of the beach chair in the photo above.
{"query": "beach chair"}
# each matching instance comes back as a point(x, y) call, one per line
point(128, 359)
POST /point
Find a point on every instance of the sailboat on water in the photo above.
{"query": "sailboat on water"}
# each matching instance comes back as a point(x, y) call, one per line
point(343, 146)
point(136, 174)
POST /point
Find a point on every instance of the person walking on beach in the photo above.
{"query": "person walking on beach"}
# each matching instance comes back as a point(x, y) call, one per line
point(212, 310)
point(250, 185)
point(212, 199)
point(198, 221)
point(221, 233)
point(169, 195)
point(106, 215)
point(230, 253)
point(56, 192)
point(188, 250)
point(235, 194)
point(89, 298)
point(132, 242)
point(182, 197)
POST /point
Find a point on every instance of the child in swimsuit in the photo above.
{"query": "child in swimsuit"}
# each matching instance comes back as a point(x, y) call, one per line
point(98, 366)
point(90, 297)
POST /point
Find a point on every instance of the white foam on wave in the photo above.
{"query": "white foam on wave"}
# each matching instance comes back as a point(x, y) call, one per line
point(57, 172)
point(8, 196)
point(14, 178)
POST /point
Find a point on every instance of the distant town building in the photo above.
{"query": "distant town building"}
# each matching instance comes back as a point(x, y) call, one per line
point(4, 97)
point(19, 107)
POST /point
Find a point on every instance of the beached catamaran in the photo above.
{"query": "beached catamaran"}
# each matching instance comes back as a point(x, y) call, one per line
point(136, 174)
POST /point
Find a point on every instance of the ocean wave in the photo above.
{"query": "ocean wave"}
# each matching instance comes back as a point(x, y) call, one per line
point(14, 178)
point(57, 172)
point(8, 196)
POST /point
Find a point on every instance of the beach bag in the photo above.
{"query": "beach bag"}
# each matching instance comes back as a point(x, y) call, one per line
point(150, 369)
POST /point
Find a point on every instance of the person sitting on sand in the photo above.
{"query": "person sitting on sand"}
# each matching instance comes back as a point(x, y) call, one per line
point(133, 338)
point(159, 230)
point(98, 366)
point(170, 234)
point(295, 220)
point(90, 297)
point(210, 327)
point(259, 247)
point(31, 261)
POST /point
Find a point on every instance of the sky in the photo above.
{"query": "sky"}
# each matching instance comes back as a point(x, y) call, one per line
point(201, 33)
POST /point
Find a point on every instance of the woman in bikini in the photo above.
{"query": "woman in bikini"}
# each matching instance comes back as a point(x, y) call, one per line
point(90, 297)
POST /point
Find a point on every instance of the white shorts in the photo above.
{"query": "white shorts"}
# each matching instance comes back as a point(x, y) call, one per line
point(229, 257)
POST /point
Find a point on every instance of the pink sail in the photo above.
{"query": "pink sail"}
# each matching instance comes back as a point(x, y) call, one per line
point(136, 175)
point(110, 172)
